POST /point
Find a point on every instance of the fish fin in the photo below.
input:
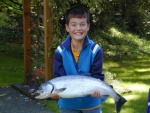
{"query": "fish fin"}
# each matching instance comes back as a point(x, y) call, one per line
point(120, 103)
point(111, 86)
point(60, 90)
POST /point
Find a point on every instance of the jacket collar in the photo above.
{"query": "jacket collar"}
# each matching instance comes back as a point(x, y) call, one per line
point(67, 42)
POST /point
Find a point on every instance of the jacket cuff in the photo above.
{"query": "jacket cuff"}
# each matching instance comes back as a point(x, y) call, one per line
point(102, 77)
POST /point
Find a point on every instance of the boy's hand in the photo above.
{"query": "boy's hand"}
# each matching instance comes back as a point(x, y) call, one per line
point(96, 94)
point(55, 96)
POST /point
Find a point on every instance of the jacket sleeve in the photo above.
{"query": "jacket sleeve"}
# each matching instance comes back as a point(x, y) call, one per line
point(97, 66)
point(58, 69)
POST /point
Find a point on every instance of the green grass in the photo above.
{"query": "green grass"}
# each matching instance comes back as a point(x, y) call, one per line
point(11, 70)
point(52, 105)
point(133, 75)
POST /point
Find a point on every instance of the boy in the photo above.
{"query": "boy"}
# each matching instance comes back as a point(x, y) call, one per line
point(78, 55)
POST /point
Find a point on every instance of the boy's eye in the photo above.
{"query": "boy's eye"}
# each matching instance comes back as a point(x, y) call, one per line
point(82, 24)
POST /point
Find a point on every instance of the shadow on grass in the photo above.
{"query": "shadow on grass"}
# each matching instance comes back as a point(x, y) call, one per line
point(134, 75)
point(135, 105)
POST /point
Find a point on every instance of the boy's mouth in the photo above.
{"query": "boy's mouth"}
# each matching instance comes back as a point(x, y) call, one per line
point(78, 34)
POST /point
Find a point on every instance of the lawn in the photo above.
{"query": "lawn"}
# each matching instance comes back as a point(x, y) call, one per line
point(133, 75)
point(11, 70)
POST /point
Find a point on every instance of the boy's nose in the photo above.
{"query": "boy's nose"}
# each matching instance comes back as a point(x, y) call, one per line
point(78, 27)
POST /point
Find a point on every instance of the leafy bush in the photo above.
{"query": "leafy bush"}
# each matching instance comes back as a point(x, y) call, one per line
point(120, 44)
point(10, 35)
point(3, 20)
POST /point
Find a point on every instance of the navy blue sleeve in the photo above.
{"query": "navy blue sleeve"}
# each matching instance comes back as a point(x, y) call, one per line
point(58, 69)
point(97, 66)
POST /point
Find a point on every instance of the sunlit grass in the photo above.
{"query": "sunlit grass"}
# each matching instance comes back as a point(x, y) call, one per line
point(137, 87)
point(115, 32)
point(143, 70)
point(136, 100)
point(120, 44)
point(133, 75)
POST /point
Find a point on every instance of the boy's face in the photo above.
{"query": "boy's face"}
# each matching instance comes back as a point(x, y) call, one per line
point(77, 28)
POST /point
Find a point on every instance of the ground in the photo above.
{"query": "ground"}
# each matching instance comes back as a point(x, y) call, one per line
point(12, 101)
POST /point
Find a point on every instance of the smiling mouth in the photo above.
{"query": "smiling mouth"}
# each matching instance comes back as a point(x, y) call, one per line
point(78, 34)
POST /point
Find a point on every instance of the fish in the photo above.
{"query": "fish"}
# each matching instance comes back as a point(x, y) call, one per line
point(78, 86)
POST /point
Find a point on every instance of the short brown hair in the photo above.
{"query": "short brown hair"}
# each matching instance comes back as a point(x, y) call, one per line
point(78, 11)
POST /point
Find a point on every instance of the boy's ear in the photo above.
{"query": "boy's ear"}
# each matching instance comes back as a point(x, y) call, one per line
point(66, 26)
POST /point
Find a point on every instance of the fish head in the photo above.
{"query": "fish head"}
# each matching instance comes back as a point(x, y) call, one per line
point(44, 91)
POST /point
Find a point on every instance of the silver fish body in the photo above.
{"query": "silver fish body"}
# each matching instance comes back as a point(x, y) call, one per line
point(78, 86)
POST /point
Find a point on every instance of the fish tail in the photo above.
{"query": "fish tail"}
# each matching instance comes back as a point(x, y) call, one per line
point(120, 103)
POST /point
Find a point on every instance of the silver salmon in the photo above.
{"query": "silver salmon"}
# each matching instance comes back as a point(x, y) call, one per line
point(78, 86)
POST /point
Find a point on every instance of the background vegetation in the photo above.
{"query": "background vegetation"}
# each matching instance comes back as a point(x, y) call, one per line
point(121, 27)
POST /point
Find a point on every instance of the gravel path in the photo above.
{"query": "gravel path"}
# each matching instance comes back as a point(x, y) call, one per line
point(12, 101)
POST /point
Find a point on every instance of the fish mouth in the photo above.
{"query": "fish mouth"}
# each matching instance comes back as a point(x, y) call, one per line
point(36, 93)
point(40, 96)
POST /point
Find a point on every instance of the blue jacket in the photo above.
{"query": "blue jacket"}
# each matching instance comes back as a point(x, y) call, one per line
point(89, 63)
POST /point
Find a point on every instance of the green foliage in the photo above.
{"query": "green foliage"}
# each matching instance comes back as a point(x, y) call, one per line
point(11, 35)
point(119, 44)
point(137, 16)
point(3, 20)
point(10, 20)
point(130, 15)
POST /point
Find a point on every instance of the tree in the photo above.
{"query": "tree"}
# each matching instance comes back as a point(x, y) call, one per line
point(11, 20)
point(132, 15)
